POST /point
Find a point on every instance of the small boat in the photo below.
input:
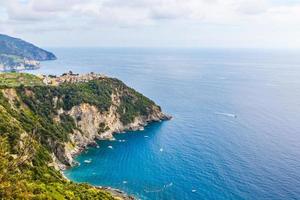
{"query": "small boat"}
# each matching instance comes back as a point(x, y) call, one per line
point(168, 185)
point(88, 161)
point(110, 147)
point(194, 191)
point(124, 182)
point(146, 136)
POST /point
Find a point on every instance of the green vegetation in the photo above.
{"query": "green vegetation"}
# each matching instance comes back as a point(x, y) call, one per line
point(11, 58)
point(134, 104)
point(17, 47)
point(103, 127)
point(95, 92)
point(24, 169)
point(17, 79)
point(31, 129)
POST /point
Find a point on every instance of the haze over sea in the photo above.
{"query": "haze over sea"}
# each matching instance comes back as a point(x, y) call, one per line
point(235, 132)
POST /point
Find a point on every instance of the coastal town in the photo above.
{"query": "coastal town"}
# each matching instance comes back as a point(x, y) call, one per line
point(69, 77)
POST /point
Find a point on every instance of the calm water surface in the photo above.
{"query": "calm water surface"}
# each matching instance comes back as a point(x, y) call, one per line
point(235, 132)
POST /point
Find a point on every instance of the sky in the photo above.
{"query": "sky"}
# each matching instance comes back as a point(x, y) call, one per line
point(154, 23)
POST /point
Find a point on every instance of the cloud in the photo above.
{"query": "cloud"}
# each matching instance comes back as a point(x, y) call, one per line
point(252, 7)
point(68, 15)
point(136, 12)
point(131, 12)
point(53, 6)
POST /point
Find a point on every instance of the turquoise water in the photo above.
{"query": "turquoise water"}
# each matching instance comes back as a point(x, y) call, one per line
point(235, 132)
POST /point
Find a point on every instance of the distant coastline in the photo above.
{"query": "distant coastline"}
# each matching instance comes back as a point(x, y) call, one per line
point(19, 55)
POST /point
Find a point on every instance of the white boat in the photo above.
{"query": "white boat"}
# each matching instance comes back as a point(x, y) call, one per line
point(88, 161)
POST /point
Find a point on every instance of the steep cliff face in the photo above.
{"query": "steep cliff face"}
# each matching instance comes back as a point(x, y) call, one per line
point(94, 125)
point(91, 124)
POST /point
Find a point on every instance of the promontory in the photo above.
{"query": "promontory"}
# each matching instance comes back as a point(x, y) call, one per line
point(46, 120)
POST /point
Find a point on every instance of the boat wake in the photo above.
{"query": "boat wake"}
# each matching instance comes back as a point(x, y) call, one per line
point(226, 114)
point(160, 189)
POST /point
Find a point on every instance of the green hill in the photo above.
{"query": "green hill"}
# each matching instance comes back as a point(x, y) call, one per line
point(23, 49)
point(17, 54)
point(38, 124)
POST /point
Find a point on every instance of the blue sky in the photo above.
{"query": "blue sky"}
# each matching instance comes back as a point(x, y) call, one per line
point(154, 23)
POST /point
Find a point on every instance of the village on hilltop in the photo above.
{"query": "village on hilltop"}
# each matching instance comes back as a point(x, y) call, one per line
point(70, 77)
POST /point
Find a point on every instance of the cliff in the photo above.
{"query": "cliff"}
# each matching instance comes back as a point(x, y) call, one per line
point(59, 121)
point(17, 54)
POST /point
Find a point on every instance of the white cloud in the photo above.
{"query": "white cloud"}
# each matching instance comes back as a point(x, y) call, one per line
point(252, 7)
point(68, 15)
point(139, 12)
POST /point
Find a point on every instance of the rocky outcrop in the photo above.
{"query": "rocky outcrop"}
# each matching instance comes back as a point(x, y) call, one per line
point(95, 125)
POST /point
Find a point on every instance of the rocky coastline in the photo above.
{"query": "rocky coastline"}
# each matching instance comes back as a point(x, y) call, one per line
point(88, 114)
point(90, 117)
point(139, 124)
point(91, 123)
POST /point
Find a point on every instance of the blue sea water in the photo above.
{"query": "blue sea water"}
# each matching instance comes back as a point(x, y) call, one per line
point(235, 132)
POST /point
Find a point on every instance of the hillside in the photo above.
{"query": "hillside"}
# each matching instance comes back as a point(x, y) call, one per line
point(21, 48)
point(17, 54)
point(42, 127)
point(18, 79)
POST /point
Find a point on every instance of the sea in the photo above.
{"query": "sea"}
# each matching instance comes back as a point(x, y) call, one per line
point(235, 132)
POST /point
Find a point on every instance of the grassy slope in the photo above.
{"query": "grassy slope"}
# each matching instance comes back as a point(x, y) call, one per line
point(28, 119)
point(17, 79)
